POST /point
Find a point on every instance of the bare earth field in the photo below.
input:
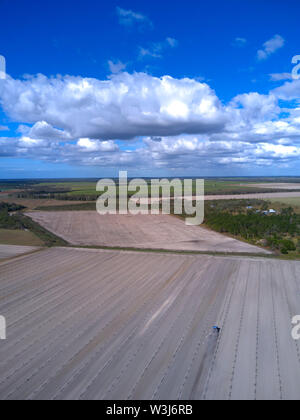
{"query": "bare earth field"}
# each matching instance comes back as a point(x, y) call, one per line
point(142, 231)
point(9, 251)
point(91, 324)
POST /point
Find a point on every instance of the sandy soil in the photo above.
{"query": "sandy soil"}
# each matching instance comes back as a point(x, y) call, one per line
point(142, 231)
point(89, 324)
point(9, 251)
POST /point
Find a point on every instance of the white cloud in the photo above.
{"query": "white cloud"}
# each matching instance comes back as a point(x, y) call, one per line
point(277, 77)
point(240, 42)
point(3, 128)
point(116, 67)
point(83, 152)
point(29, 142)
point(172, 42)
point(198, 152)
point(129, 18)
point(277, 151)
point(176, 109)
point(185, 153)
point(125, 106)
point(288, 91)
point(177, 124)
point(270, 47)
point(156, 49)
point(253, 107)
point(149, 52)
point(42, 129)
point(97, 146)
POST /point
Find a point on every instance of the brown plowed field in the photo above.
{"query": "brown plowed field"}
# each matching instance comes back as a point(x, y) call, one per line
point(89, 324)
point(142, 231)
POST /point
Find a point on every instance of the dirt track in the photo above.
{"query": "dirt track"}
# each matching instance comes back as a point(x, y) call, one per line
point(88, 324)
point(147, 231)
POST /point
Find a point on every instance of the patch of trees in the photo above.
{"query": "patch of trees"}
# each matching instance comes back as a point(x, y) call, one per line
point(8, 220)
point(10, 207)
point(278, 231)
point(284, 245)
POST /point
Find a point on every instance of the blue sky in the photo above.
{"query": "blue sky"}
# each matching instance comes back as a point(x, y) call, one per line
point(157, 88)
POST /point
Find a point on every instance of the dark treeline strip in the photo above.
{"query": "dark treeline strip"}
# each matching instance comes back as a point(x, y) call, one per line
point(69, 207)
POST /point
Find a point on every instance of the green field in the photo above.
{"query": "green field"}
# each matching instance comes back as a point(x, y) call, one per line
point(19, 237)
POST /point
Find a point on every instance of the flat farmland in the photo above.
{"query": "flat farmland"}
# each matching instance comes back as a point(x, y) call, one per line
point(19, 237)
point(259, 196)
point(10, 251)
point(92, 324)
point(277, 185)
point(143, 231)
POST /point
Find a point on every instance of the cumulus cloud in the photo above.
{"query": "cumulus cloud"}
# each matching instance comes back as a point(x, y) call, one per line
point(175, 123)
point(185, 153)
point(130, 18)
point(289, 91)
point(97, 146)
point(42, 129)
point(82, 152)
point(255, 107)
point(270, 151)
point(270, 47)
point(198, 152)
point(125, 106)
